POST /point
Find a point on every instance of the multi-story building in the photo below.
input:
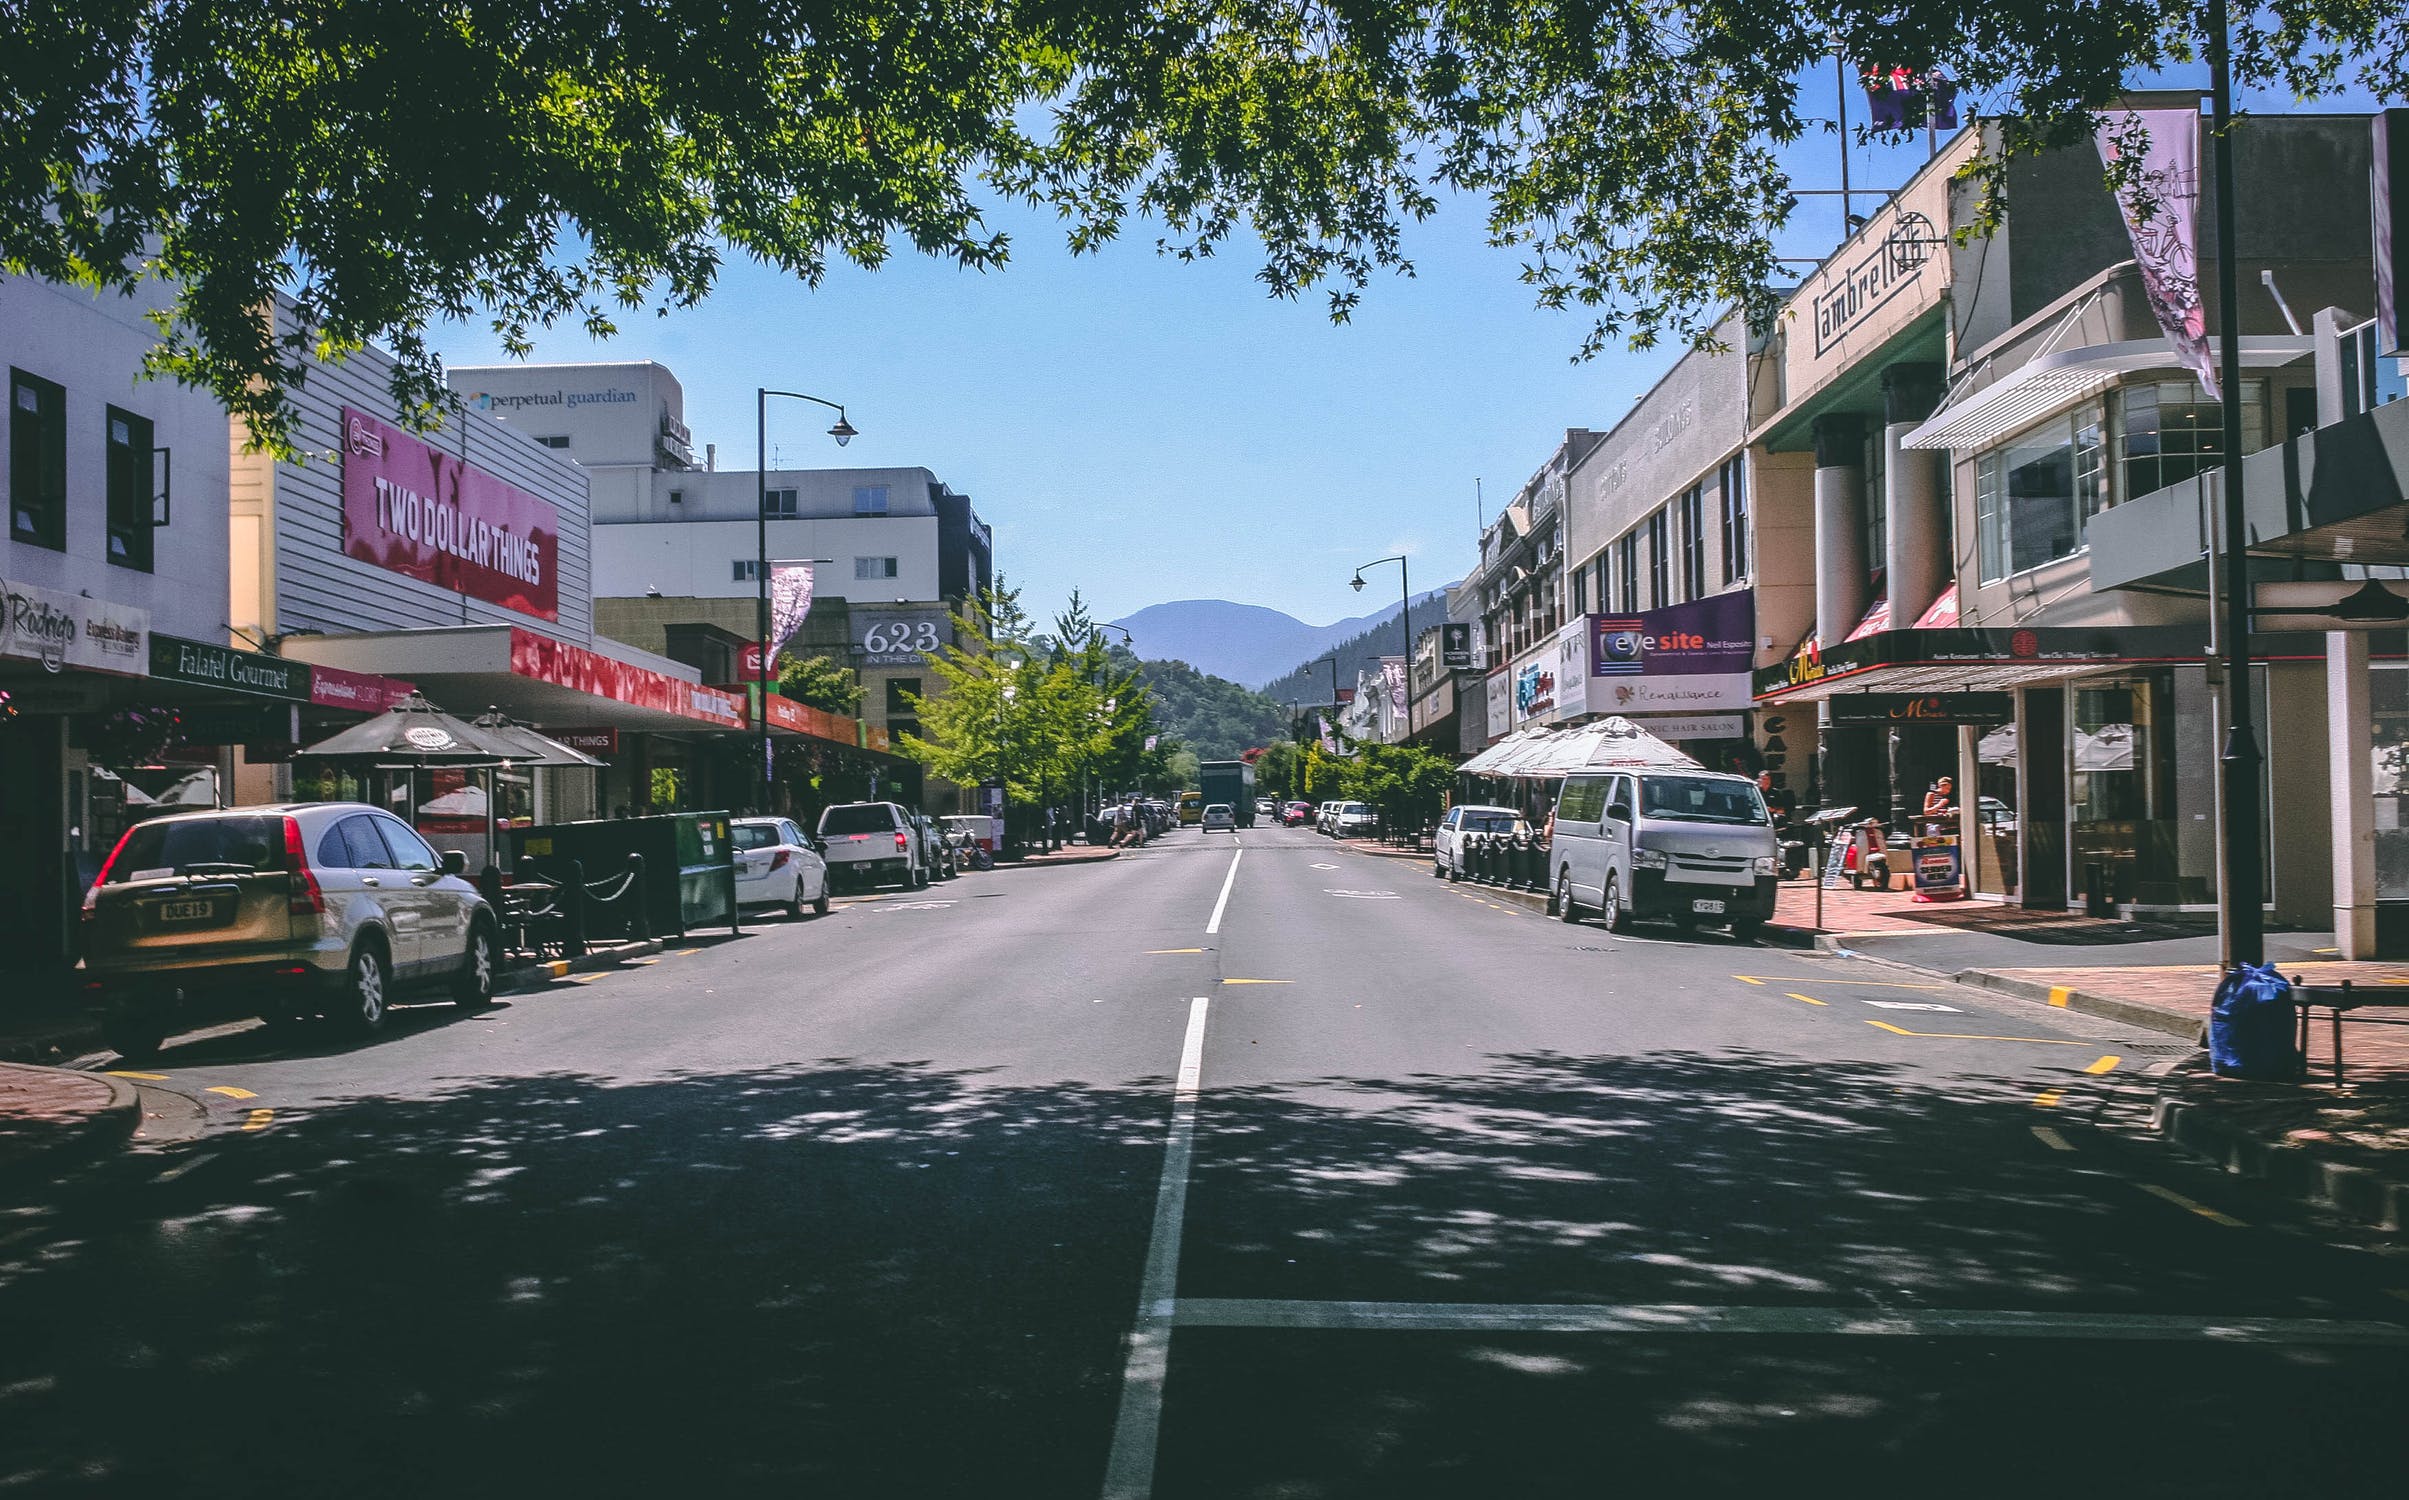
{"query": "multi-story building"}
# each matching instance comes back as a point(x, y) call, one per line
point(1520, 588)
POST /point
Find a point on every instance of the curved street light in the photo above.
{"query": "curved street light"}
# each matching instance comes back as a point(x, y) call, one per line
point(844, 432)
point(1405, 599)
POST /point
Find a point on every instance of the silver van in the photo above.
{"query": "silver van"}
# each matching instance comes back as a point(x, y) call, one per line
point(1689, 845)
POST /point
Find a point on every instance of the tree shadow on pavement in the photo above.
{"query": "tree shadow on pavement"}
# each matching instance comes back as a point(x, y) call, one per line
point(846, 1278)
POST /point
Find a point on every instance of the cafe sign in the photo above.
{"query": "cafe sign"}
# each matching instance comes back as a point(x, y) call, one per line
point(204, 665)
point(68, 630)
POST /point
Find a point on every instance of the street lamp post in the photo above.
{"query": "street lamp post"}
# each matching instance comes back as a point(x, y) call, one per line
point(1405, 600)
point(844, 432)
point(1097, 791)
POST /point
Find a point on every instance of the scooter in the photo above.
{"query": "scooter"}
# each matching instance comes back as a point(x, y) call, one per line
point(1805, 836)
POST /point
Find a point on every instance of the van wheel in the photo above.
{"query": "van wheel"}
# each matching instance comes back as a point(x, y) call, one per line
point(1567, 909)
point(366, 987)
point(1611, 910)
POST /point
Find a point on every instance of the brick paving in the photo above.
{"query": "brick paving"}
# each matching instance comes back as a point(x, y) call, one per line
point(2371, 1047)
point(42, 1107)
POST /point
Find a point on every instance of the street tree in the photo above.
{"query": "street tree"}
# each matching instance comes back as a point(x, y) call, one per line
point(391, 166)
point(820, 682)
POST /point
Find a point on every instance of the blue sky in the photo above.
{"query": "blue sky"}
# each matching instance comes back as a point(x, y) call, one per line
point(1145, 430)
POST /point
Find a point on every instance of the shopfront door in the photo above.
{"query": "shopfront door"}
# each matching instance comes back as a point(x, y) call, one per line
point(2041, 740)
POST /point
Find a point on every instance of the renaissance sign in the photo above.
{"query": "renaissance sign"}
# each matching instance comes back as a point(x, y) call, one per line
point(414, 510)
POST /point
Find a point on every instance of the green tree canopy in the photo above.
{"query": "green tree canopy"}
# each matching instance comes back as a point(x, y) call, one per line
point(824, 684)
point(395, 164)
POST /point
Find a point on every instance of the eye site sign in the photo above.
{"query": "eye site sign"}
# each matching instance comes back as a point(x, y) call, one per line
point(417, 511)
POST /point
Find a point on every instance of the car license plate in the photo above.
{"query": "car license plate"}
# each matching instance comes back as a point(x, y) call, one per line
point(187, 911)
point(1707, 908)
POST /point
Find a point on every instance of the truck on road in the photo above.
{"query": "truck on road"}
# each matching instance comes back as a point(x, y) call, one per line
point(1231, 781)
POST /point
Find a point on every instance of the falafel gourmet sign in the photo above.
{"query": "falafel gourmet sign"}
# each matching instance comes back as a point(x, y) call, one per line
point(414, 510)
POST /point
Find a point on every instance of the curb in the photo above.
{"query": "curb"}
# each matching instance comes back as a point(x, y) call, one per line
point(1382, 851)
point(2107, 1007)
point(2354, 1191)
point(96, 1135)
point(534, 977)
point(36, 1049)
point(1042, 863)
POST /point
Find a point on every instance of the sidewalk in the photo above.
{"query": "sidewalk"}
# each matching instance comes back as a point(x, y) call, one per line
point(52, 1117)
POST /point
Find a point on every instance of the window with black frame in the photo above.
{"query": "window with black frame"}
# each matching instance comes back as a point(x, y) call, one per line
point(131, 497)
point(2034, 497)
point(37, 461)
point(2172, 431)
point(1733, 482)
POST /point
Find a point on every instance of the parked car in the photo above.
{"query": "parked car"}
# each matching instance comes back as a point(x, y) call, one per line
point(868, 843)
point(1217, 818)
point(936, 855)
point(1354, 820)
point(302, 909)
point(1191, 809)
point(1265, 808)
point(1296, 813)
point(1680, 844)
point(1447, 844)
point(776, 866)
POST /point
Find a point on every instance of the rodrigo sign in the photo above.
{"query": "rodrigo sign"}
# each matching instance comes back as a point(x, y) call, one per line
point(1684, 658)
point(414, 510)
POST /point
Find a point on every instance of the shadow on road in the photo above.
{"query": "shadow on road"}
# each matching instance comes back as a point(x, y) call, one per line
point(851, 1279)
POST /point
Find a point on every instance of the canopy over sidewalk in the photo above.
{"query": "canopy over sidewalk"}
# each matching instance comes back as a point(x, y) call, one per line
point(1541, 753)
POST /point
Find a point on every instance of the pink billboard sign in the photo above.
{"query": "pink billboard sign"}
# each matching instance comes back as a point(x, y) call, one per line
point(424, 514)
point(332, 687)
point(542, 659)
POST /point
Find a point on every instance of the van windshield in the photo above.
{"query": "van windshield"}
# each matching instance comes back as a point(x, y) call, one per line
point(1700, 799)
point(857, 817)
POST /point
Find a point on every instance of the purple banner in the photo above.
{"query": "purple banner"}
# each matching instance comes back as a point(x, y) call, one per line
point(2166, 240)
point(1684, 658)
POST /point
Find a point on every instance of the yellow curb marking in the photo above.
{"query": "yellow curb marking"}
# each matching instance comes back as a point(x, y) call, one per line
point(2057, 996)
point(1961, 1036)
point(1831, 979)
point(687, 952)
point(1810, 999)
point(2048, 1098)
point(2202, 1209)
point(145, 1077)
point(2052, 1139)
point(2104, 1065)
point(229, 1091)
point(583, 978)
point(1153, 952)
point(1258, 981)
point(559, 968)
point(259, 1119)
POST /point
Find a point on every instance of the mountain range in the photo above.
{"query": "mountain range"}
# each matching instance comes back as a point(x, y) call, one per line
point(1251, 644)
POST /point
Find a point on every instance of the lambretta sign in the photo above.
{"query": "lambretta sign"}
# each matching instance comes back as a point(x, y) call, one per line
point(415, 510)
point(66, 630)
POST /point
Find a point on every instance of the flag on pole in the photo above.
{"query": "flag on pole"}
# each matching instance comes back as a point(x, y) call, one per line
point(2162, 214)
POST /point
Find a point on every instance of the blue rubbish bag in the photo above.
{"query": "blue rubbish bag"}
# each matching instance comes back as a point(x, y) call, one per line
point(2253, 1025)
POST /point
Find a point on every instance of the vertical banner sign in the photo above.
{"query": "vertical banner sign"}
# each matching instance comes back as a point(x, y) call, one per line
point(1455, 647)
point(790, 602)
point(2390, 196)
point(2162, 214)
point(1392, 671)
point(414, 510)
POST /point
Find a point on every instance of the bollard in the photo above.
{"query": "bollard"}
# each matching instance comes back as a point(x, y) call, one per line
point(639, 922)
point(573, 910)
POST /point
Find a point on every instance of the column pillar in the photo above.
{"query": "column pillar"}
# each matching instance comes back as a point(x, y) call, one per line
point(2350, 785)
point(1917, 499)
point(1840, 562)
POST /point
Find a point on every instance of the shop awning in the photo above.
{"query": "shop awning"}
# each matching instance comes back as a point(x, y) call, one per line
point(1545, 753)
point(537, 678)
point(1971, 660)
point(2052, 382)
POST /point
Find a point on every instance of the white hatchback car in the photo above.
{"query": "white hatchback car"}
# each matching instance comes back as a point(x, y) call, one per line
point(776, 866)
point(1217, 818)
point(1447, 845)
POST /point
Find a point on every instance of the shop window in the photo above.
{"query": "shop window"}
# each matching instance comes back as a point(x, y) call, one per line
point(131, 497)
point(1877, 499)
point(1660, 571)
point(37, 461)
point(869, 499)
point(2369, 380)
point(1734, 484)
point(1580, 591)
point(870, 568)
point(2034, 497)
point(779, 505)
point(1693, 542)
point(1626, 570)
point(556, 442)
point(2172, 431)
point(2388, 744)
point(746, 569)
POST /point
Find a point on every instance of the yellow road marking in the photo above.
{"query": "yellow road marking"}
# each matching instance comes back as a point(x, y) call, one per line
point(2058, 994)
point(1810, 999)
point(1153, 952)
point(145, 1077)
point(1877, 984)
point(2048, 1098)
point(1258, 981)
point(1961, 1036)
point(229, 1091)
point(639, 962)
point(2202, 1209)
point(2104, 1065)
point(688, 952)
point(2052, 1139)
point(259, 1119)
point(583, 978)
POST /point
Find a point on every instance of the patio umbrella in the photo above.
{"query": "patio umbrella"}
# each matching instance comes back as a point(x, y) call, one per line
point(414, 735)
point(537, 749)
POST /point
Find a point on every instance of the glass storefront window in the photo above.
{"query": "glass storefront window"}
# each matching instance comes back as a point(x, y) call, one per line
point(1994, 864)
point(2034, 497)
point(2388, 743)
point(2172, 431)
point(2121, 796)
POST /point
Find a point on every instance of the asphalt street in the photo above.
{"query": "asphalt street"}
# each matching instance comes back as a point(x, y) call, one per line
point(1240, 1166)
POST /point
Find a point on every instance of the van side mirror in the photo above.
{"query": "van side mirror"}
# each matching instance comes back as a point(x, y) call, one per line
point(454, 862)
point(1620, 812)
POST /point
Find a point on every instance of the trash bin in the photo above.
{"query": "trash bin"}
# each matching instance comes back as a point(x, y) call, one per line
point(689, 862)
point(2253, 1026)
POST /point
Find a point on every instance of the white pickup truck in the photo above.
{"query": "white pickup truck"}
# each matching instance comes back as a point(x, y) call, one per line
point(866, 843)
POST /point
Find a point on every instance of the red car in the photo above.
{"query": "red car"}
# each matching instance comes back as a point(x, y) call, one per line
point(1295, 813)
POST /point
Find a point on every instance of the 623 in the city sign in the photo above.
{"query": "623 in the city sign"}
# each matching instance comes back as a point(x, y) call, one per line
point(899, 637)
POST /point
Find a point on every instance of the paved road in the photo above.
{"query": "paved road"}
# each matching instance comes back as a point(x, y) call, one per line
point(1240, 1166)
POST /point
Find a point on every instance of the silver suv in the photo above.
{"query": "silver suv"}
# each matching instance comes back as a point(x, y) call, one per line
point(869, 842)
point(319, 908)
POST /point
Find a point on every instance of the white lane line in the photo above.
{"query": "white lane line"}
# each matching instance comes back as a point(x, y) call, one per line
point(1227, 881)
point(1129, 1471)
point(1671, 1318)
